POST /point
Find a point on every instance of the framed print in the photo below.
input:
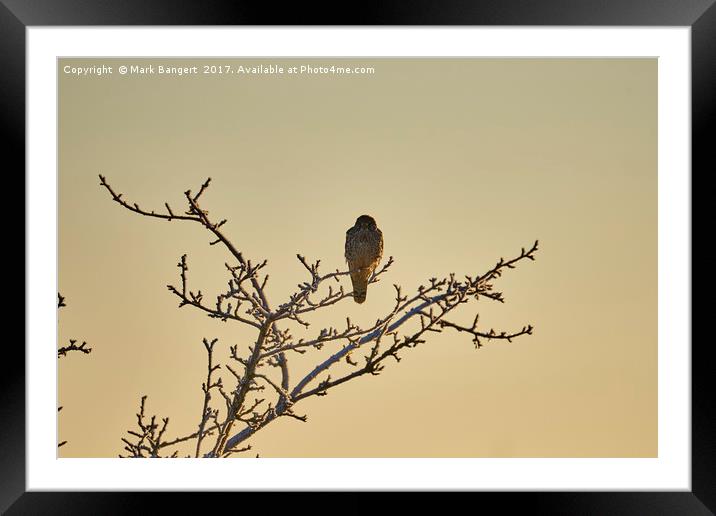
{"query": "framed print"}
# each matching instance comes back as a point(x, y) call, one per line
point(424, 252)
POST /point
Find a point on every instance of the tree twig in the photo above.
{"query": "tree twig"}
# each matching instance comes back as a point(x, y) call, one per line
point(245, 302)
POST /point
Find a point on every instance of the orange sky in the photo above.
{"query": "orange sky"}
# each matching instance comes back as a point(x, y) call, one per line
point(461, 161)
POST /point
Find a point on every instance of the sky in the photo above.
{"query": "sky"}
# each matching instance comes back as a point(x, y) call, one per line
point(460, 161)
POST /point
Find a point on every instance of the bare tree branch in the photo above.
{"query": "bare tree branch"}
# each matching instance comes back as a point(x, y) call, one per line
point(258, 389)
point(206, 412)
point(149, 436)
point(72, 346)
point(64, 350)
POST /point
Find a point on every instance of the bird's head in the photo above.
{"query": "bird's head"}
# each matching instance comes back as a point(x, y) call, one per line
point(365, 221)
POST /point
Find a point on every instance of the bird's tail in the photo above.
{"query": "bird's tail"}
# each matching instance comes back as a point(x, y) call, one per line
point(359, 296)
point(360, 279)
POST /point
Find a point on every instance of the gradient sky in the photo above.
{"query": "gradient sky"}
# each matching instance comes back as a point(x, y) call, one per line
point(460, 161)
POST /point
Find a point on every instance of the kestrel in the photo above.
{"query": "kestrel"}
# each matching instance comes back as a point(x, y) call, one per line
point(364, 250)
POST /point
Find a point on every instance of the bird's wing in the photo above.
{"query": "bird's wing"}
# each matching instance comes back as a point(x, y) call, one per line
point(380, 246)
point(347, 252)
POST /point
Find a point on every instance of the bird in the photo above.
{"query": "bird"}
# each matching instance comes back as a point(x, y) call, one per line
point(364, 250)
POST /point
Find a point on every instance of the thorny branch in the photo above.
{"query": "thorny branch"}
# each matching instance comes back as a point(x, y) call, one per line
point(260, 372)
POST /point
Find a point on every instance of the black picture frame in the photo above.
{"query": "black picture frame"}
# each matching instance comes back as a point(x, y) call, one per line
point(700, 15)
